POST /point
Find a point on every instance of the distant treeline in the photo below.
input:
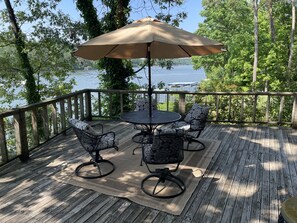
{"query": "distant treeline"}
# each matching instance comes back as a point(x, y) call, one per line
point(91, 65)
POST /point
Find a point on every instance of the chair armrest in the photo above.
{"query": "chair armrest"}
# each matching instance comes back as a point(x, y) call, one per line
point(99, 125)
point(197, 124)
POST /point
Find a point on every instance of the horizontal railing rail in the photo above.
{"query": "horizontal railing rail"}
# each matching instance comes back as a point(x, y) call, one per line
point(22, 129)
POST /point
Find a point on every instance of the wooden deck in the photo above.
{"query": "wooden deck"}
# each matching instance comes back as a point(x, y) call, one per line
point(253, 171)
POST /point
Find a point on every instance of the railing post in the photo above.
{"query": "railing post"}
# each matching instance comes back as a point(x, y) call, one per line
point(182, 103)
point(294, 113)
point(45, 122)
point(3, 147)
point(122, 102)
point(76, 106)
point(21, 135)
point(88, 103)
point(63, 118)
point(35, 133)
point(281, 108)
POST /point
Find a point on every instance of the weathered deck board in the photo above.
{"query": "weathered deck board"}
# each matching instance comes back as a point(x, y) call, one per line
point(253, 171)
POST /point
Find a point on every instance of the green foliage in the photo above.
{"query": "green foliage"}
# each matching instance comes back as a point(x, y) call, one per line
point(48, 36)
point(231, 22)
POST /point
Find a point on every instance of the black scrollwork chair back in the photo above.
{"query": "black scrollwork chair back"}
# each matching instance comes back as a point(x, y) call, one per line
point(166, 148)
point(140, 105)
point(93, 142)
point(193, 124)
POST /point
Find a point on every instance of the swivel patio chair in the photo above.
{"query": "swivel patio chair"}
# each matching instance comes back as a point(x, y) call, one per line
point(144, 134)
point(166, 148)
point(193, 124)
point(93, 142)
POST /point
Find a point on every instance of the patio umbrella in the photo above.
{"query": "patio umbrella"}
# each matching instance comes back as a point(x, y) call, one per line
point(147, 38)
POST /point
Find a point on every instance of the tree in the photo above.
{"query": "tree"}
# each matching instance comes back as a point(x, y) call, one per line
point(230, 22)
point(256, 39)
point(45, 50)
point(291, 52)
point(26, 69)
point(116, 71)
point(269, 4)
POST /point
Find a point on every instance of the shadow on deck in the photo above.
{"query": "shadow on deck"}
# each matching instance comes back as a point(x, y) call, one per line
point(253, 171)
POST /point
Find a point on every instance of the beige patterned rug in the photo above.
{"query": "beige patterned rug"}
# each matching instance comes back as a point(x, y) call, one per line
point(125, 181)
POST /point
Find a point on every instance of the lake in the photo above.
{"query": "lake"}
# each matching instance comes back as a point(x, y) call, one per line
point(181, 73)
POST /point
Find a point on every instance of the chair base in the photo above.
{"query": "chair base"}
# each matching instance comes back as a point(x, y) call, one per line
point(161, 176)
point(190, 140)
point(95, 164)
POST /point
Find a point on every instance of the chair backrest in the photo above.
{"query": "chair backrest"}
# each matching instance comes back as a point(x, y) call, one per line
point(86, 135)
point(143, 104)
point(197, 116)
point(166, 149)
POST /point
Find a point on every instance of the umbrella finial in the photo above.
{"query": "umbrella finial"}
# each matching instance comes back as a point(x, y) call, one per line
point(147, 19)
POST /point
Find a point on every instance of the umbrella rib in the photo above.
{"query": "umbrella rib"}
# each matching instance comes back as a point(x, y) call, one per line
point(111, 50)
point(184, 50)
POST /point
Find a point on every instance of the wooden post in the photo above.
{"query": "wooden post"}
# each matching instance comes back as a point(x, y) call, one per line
point(88, 104)
point(267, 109)
point(63, 118)
point(182, 104)
point(76, 106)
point(21, 135)
point(217, 107)
point(294, 113)
point(69, 107)
point(122, 102)
point(229, 108)
point(281, 108)
point(3, 147)
point(81, 107)
point(99, 103)
point(242, 109)
point(54, 118)
point(45, 122)
point(35, 126)
point(255, 108)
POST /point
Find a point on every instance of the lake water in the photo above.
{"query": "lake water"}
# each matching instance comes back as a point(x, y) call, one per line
point(181, 73)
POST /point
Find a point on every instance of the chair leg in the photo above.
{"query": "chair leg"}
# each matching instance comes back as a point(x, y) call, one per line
point(190, 140)
point(95, 164)
point(161, 178)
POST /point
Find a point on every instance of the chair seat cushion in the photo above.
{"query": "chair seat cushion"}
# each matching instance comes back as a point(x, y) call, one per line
point(107, 141)
point(181, 125)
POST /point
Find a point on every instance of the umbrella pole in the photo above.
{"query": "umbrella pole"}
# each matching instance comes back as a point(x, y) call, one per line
point(150, 91)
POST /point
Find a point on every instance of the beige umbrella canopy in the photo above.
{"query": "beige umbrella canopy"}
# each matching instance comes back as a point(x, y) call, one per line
point(147, 38)
point(131, 41)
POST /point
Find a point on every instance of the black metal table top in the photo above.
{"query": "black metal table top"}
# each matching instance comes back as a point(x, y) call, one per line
point(158, 117)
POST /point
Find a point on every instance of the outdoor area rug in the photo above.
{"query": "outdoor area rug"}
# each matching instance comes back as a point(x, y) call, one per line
point(125, 181)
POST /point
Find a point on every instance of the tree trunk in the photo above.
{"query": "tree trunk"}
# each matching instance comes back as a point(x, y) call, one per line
point(116, 71)
point(256, 36)
point(292, 34)
point(32, 95)
point(271, 20)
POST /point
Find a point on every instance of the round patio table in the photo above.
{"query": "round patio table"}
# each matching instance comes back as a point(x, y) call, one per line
point(157, 118)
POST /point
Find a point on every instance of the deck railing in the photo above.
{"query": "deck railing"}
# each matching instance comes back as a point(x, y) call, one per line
point(22, 129)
